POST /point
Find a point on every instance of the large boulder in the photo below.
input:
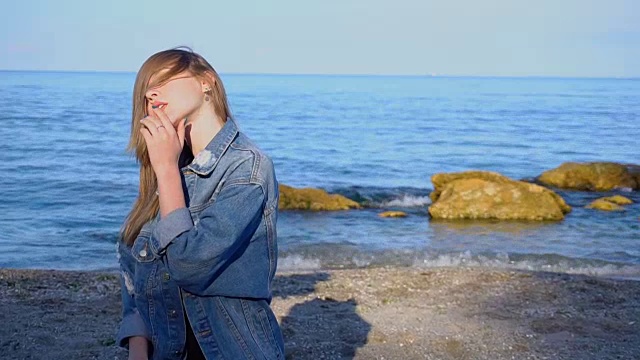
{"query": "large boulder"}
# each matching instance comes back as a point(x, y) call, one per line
point(489, 195)
point(594, 176)
point(312, 199)
point(440, 180)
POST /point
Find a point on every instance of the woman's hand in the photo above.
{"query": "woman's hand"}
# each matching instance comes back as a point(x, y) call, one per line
point(138, 348)
point(164, 142)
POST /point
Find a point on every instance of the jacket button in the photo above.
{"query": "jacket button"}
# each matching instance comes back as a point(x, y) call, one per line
point(172, 313)
point(166, 277)
point(143, 252)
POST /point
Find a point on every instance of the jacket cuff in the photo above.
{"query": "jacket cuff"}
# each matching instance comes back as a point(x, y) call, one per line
point(132, 325)
point(169, 227)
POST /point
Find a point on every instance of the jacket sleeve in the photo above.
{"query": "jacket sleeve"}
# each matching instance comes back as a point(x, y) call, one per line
point(132, 323)
point(195, 255)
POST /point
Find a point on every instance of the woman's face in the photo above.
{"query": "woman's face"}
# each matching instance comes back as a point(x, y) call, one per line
point(178, 97)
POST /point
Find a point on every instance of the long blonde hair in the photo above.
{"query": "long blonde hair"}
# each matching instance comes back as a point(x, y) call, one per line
point(174, 61)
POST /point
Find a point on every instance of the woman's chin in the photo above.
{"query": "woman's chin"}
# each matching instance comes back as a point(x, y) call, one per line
point(176, 121)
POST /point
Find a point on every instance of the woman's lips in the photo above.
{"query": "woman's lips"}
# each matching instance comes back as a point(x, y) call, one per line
point(159, 105)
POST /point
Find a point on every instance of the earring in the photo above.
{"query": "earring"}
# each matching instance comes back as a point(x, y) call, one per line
point(206, 97)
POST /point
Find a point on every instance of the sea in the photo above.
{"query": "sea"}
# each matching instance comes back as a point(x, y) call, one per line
point(67, 183)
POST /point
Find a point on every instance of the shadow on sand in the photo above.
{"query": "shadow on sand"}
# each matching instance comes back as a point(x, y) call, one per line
point(330, 321)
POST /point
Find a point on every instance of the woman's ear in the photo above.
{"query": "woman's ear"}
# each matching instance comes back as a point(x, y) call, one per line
point(206, 84)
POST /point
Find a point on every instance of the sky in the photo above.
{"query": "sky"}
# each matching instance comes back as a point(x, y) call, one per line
point(565, 38)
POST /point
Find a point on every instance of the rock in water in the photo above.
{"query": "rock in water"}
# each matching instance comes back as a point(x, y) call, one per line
point(440, 180)
point(602, 204)
point(392, 214)
point(618, 200)
point(611, 203)
point(594, 176)
point(312, 199)
point(489, 195)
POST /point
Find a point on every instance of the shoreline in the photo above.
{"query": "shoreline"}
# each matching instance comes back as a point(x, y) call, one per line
point(367, 313)
point(606, 271)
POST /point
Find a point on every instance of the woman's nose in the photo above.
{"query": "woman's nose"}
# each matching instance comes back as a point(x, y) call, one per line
point(152, 93)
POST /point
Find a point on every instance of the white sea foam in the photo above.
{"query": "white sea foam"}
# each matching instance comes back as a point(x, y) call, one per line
point(503, 261)
point(408, 201)
point(298, 262)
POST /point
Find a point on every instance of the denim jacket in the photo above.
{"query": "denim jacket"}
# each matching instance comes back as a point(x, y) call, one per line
point(213, 261)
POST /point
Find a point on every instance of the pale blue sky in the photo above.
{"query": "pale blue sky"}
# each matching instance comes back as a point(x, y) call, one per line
point(592, 38)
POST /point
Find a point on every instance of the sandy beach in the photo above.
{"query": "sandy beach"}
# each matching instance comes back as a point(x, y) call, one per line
point(373, 313)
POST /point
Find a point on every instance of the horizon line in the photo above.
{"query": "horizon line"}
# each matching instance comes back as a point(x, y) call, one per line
point(426, 75)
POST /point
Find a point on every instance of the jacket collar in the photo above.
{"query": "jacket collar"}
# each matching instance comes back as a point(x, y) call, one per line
point(207, 159)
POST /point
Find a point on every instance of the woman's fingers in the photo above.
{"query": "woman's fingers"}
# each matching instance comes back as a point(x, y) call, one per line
point(164, 119)
point(157, 122)
point(152, 124)
point(149, 126)
point(145, 134)
point(161, 139)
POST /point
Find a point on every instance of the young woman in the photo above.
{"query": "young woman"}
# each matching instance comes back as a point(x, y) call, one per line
point(198, 250)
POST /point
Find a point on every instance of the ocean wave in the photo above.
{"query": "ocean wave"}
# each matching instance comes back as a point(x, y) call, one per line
point(298, 262)
point(407, 258)
point(379, 197)
point(407, 201)
point(535, 262)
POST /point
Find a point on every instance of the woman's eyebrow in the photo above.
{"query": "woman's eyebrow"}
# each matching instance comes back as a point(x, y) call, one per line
point(155, 76)
point(167, 81)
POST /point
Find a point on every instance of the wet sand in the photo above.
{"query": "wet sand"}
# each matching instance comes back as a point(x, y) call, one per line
point(374, 313)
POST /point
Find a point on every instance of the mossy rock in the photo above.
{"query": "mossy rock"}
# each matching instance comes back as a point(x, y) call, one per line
point(604, 205)
point(313, 199)
point(594, 176)
point(393, 214)
point(618, 200)
point(489, 195)
point(440, 180)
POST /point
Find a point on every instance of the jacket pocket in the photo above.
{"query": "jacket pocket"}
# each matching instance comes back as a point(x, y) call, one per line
point(145, 267)
point(261, 329)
